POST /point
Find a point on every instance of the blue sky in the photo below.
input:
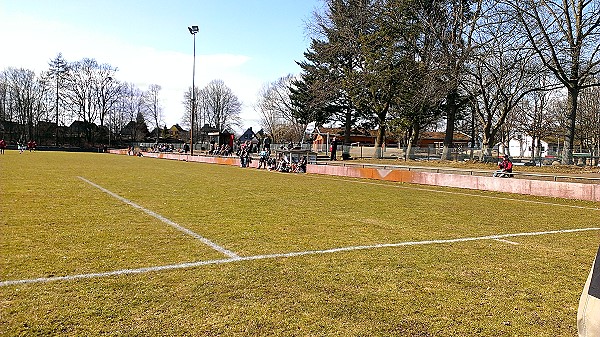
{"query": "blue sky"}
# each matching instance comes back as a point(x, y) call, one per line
point(246, 43)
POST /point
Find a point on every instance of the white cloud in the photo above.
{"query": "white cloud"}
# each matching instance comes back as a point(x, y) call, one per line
point(32, 44)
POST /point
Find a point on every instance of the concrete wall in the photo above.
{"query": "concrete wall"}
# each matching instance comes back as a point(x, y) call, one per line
point(198, 159)
point(564, 190)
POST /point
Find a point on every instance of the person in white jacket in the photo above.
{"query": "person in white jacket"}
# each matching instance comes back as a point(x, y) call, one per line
point(588, 314)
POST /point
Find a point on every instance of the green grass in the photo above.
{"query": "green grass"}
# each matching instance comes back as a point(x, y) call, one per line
point(52, 223)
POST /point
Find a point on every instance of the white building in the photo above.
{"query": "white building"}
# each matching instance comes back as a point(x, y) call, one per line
point(522, 146)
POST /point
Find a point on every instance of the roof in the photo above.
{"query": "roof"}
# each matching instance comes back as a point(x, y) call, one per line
point(426, 135)
point(458, 136)
point(208, 129)
point(342, 131)
point(177, 127)
point(82, 126)
point(248, 135)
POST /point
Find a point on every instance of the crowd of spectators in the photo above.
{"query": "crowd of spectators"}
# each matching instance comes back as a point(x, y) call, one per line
point(162, 148)
point(223, 150)
point(281, 164)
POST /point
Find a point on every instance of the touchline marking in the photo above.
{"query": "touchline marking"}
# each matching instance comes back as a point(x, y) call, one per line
point(282, 255)
point(454, 193)
point(165, 220)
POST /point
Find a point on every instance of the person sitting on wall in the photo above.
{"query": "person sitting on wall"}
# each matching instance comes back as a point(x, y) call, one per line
point(505, 168)
point(301, 167)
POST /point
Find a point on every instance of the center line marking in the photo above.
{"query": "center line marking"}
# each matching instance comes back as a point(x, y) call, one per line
point(165, 220)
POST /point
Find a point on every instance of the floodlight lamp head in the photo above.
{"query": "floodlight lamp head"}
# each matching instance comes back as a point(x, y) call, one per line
point(193, 29)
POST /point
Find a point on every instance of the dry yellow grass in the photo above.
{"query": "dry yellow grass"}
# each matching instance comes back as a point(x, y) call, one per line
point(53, 223)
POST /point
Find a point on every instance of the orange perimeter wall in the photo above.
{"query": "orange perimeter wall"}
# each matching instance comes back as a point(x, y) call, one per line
point(565, 190)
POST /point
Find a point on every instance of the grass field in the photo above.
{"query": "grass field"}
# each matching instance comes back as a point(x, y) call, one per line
point(99, 244)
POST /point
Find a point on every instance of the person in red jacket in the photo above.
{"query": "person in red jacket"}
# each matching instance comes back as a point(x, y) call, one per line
point(2, 146)
point(505, 168)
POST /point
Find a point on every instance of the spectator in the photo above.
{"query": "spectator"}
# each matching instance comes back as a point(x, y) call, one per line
point(302, 165)
point(283, 164)
point(505, 168)
point(2, 146)
point(271, 164)
point(212, 148)
point(244, 153)
point(262, 159)
point(267, 145)
point(334, 145)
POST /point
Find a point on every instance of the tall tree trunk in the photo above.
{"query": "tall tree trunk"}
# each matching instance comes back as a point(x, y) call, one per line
point(414, 137)
point(451, 111)
point(347, 127)
point(473, 135)
point(567, 157)
point(487, 143)
point(379, 141)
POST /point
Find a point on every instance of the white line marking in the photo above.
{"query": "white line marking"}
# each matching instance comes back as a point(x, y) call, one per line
point(506, 241)
point(283, 255)
point(396, 185)
point(165, 220)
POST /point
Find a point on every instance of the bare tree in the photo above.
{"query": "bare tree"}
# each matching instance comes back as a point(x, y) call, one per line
point(154, 108)
point(106, 90)
point(534, 118)
point(588, 121)
point(25, 92)
point(277, 112)
point(502, 73)
point(133, 101)
point(132, 105)
point(566, 37)
point(80, 95)
point(219, 105)
point(199, 117)
point(4, 97)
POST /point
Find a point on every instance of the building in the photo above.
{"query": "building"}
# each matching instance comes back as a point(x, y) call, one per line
point(248, 135)
point(177, 132)
point(436, 139)
point(523, 146)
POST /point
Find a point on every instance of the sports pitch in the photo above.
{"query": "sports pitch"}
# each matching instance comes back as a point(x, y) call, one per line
point(100, 244)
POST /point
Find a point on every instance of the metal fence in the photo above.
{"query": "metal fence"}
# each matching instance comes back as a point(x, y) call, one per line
point(361, 151)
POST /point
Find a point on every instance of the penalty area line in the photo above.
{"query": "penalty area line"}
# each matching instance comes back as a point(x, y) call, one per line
point(507, 241)
point(165, 220)
point(282, 255)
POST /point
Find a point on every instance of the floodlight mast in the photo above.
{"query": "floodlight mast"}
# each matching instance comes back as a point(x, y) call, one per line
point(193, 30)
